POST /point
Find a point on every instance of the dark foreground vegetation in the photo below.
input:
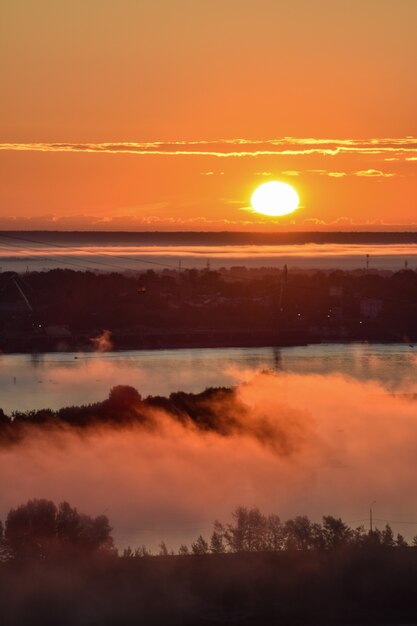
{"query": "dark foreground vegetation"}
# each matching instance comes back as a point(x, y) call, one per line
point(258, 570)
point(65, 309)
point(251, 589)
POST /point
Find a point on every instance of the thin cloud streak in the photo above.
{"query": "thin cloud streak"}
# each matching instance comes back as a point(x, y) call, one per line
point(374, 173)
point(287, 146)
point(370, 173)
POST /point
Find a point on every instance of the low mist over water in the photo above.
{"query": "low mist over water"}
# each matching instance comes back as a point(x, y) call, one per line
point(58, 379)
point(298, 444)
point(20, 251)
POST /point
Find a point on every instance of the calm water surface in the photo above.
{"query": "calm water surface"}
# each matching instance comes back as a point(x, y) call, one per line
point(55, 380)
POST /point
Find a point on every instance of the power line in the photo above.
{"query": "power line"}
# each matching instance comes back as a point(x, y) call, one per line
point(118, 256)
point(165, 265)
point(396, 521)
point(71, 262)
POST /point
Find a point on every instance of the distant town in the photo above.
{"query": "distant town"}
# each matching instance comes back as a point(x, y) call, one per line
point(66, 310)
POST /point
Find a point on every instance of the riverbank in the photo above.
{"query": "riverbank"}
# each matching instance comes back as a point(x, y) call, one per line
point(163, 340)
point(166, 340)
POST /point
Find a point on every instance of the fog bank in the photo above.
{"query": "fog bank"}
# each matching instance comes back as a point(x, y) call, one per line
point(301, 444)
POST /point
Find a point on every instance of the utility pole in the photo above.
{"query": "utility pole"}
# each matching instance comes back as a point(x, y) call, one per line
point(367, 262)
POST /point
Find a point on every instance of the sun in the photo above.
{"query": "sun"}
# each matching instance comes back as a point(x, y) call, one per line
point(275, 199)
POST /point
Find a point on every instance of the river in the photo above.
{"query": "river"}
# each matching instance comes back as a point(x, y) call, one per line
point(54, 380)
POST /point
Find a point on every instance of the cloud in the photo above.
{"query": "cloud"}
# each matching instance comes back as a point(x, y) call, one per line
point(374, 173)
point(324, 172)
point(136, 223)
point(336, 174)
point(343, 221)
point(124, 221)
point(234, 148)
point(315, 221)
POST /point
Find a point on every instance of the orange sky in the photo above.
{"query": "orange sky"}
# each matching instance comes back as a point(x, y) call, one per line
point(102, 103)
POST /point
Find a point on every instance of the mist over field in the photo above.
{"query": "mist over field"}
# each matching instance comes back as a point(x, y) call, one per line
point(126, 256)
point(288, 443)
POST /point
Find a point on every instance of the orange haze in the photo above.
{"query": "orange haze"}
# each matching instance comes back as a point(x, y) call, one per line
point(306, 444)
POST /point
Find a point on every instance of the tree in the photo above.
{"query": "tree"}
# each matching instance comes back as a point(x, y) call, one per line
point(235, 533)
point(142, 552)
point(216, 543)
point(96, 534)
point(275, 535)
point(335, 532)
point(374, 537)
point(82, 532)
point(299, 533)
point(387, 537)
point(183, 550)
point(4, 419)
point(31, 529)
point(359, 536)
point(38, 529)
point(124, 397)
point(163, 550)
point(200, 546)
point(68, 524)
point(128, 553)
point(4, 550)
point(400, 542)
point(248, 533)
point(256, 535)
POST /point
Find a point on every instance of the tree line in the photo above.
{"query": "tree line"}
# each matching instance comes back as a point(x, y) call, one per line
point(39, 530)
point(126, 407)
point(261, 299)
point(253, 531)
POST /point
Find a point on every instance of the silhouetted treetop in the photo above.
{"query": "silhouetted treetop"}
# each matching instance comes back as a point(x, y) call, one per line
point(124, 396)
